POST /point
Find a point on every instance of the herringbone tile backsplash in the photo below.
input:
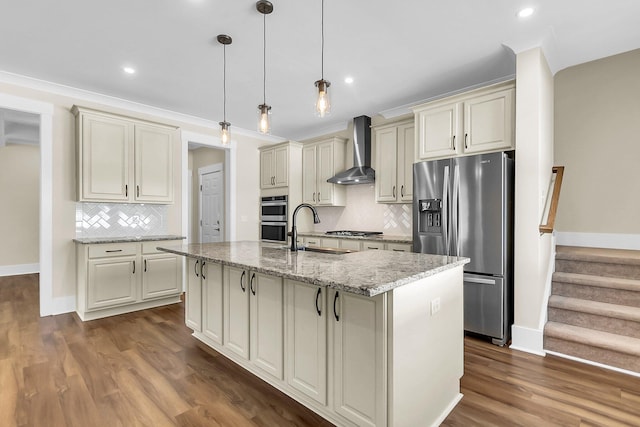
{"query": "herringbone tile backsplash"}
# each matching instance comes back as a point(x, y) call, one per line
point(119, 220)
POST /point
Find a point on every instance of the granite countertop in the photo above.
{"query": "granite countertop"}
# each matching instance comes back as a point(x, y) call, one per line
point(95, 240)
point(366, 273)
point(386, 238)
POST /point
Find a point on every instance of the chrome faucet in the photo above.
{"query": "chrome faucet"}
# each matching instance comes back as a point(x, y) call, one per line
point(294, 232)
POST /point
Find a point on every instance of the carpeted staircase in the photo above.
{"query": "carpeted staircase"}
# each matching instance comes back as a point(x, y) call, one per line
point(594, 307)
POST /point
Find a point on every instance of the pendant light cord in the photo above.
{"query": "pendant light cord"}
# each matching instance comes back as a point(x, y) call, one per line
point(224, 83)
point(322, 54)
point(264, 59)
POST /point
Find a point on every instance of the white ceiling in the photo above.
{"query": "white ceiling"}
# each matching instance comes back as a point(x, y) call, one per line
point(399, 53)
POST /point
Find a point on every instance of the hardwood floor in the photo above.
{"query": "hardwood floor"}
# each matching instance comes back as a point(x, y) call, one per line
point(145, 369)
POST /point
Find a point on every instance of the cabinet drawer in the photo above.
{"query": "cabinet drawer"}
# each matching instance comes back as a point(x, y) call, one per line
point(368, 245)
point(112, 249)
point(150, 247)
point(399, 247)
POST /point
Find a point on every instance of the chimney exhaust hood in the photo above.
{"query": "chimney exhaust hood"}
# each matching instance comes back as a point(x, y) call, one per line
point(361, 172)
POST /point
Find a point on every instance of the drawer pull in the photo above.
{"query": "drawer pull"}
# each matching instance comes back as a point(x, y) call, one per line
point(145, 265)
point(195, 268)
point(202, 270)
point(335, 313)
point(134, 267)
point(253, 290)
point(242, 284)
point(318, 309)
point(369, 247)
point(114, 250)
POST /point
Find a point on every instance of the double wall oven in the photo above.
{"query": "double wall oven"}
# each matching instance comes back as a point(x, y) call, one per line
point(273, 218)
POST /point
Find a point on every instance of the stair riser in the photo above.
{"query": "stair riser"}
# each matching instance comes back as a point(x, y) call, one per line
point(627, 328)
point(594, 293)
point(625, 271)
point(595, 354)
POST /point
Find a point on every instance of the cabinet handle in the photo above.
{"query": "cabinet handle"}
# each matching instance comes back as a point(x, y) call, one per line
point(137, 191)
point(145, 265)
point(369, 247)
point(253, 290)
point(134, 267)
point(318, 309)
point(318, 197)
point(399, 250)
point(202, 270)
point(454, 142)
point(242, 284)
point(402, 191)
point(195, 267)
point(394, 191)
point(465, 140)
point(114, 250)
point(314, 196)
point(335, 313)
point(126, 190)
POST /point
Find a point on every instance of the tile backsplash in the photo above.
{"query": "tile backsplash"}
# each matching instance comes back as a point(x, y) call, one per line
point(364, 214)
point(119, 220)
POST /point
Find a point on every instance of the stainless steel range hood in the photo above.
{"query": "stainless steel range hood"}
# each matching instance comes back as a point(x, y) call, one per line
point(361, 172)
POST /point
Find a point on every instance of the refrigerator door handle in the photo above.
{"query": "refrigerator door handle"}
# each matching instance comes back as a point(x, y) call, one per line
point(455, 207)
point(479, 281)
point(445, 210)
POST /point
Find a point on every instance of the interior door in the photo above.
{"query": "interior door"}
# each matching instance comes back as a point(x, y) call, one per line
point(211, 207)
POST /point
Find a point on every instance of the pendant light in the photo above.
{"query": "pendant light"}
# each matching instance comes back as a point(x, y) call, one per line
point(323, 103)
point(264, 111)
point(224, 40)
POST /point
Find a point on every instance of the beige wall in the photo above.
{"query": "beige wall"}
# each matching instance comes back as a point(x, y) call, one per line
point(20, 212)
point(64, 184)
point(597, 133)
point(199, 158)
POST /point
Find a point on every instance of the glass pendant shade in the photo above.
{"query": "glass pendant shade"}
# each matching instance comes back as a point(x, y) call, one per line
point(225, 133)
point(323, 102)
point(264, 118)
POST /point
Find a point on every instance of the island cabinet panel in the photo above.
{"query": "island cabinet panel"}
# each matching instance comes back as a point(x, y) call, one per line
point(212, 319)
point(193, 298)
point(236, 311)
point(267, 323)
point(307, 339)
point(359, 358)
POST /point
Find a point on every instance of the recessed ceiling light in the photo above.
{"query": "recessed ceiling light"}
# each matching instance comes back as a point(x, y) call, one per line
point(348, 80)
point(526, 12)
point(129, 70)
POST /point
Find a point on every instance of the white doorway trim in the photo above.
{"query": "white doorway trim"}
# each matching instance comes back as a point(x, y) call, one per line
point(216, 167)
point(45, 111)
point(229, 179)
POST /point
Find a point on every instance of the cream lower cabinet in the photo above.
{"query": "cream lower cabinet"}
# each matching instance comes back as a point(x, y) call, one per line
point(203, 311)
point(359, 360)
point(116, 278)
point(236, 311)
point(193, 297)
point(307, 339)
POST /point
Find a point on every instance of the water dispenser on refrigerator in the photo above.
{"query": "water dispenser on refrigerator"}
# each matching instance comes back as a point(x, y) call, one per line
point(430, 216)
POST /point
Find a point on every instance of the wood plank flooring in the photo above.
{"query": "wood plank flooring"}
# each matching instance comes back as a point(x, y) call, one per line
point(145, 369)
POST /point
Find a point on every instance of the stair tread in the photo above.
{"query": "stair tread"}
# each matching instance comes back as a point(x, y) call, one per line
point(599, 281)
point(605, 340)
point(604, 255)
point(595, 307)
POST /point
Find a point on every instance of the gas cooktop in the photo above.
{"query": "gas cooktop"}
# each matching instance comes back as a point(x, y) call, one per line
point(353, 233)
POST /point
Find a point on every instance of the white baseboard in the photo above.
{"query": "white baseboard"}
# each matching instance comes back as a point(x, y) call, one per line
point(599, 240)
point(63, 305)
point(14, 270)
point(527, 340)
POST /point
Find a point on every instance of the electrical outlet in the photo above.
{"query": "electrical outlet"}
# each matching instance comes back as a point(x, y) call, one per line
point(435, 305)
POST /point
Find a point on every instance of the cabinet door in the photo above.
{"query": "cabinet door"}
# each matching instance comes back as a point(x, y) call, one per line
point(307, 340)
point(309, 174)
point(266, 169)
point(193, 309)
point(359, 358)
point(106, 150)
point(153, 164)
point(160, 275)
point(488, 122)
point(281, 167)
point(386, 164)
point(406, 153)
point(212, 301)
point(111, 282)
point(438, 130)
point(267, 323)
point(325, 153)
point(236, 311)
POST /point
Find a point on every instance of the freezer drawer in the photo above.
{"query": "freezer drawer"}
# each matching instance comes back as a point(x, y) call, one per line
point(484, 306)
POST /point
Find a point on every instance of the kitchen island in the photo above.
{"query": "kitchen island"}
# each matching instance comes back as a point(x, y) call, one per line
point(364, 338)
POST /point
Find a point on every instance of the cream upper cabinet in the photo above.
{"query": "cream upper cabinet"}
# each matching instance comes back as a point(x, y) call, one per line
point(121, 159)
point(395, 148)
point(475, 122)
point(274, 167)
point(320, 161)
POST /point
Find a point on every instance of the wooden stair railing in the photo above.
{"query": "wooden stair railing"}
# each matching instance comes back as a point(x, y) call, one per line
point(551, 205)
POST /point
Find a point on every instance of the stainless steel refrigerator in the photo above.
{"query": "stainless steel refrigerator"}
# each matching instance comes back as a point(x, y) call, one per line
point(464, 207)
